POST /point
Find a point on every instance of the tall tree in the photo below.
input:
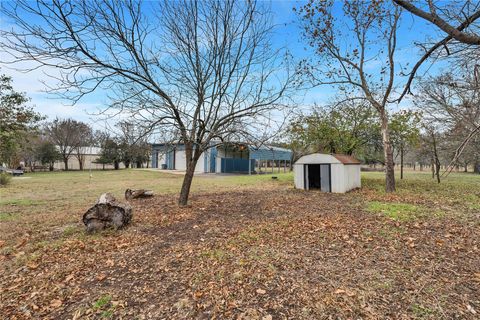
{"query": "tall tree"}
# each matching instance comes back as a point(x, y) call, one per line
point(203, 69)
point(346, 128)
point(348, 37)
point(452, 103)
point(68, 135)
point(47, 153)
point(110, 154)
point(405, 129)
point(16, 121)
point(87, 141)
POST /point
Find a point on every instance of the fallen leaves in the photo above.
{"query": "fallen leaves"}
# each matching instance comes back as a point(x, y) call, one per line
point(346, 292)
point(56, 303)
point(101, 277)
point(285, 254)
point(260, 291)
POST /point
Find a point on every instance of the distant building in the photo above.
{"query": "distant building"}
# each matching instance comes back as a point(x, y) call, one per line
point(223, 158)
point(89, 156)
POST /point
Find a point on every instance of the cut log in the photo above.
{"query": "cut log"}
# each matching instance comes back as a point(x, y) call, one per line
point(140, 193)
point(107, 213)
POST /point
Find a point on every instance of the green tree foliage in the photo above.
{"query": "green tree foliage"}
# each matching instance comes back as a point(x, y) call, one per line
point(16, 122)
point(111, 153)
point(47, 154)
point(348, 128)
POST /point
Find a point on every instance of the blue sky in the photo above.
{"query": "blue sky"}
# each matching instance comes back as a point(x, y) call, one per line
point(288, 34)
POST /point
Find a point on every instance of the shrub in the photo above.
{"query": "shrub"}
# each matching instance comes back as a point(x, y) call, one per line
point(4, 179)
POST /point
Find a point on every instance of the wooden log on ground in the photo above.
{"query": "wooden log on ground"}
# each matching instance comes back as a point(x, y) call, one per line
point(107, 213)
point(140, 193)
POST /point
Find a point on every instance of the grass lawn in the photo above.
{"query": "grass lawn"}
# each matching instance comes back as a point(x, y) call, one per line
point(248, 247)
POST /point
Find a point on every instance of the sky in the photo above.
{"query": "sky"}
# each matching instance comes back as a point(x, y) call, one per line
point(287, 34)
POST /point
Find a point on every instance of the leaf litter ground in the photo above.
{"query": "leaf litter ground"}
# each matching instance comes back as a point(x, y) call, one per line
point(276, 253)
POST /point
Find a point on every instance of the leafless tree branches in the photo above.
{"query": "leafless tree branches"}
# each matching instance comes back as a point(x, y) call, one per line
point(203, 70)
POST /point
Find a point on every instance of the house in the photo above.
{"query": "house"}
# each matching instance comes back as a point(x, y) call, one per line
point(327, 172)
point(223, 158)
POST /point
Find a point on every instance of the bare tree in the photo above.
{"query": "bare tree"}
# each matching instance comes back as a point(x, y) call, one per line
point(81, 149)
point(133, 145)
point(457, 19)
point(69, 136)
point(442, 15)
point(452, 102)
point(345, 45)
point(205, 70)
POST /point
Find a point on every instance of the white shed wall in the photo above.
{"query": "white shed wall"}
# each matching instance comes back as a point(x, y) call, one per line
point(352, 177)
point(338, 178)
point(298, 177)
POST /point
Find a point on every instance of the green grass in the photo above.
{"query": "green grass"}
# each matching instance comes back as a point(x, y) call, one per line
point(48, 200)
point(102, 302)
point(8, 216)
point(396, 211)
point(458, 193)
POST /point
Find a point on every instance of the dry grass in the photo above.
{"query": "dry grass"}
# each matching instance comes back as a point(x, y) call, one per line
point(248, 247)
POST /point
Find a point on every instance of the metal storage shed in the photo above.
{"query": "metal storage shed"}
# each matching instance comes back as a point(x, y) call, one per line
point(329, 173)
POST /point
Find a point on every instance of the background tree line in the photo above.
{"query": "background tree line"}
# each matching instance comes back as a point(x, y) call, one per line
point(26, 138)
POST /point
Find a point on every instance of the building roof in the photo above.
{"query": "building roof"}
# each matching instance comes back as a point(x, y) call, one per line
point(323, 158)
point(262, 152)
point(266, 152)
point(346, 159)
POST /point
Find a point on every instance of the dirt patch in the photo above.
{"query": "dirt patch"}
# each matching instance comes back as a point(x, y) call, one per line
point(250, 255)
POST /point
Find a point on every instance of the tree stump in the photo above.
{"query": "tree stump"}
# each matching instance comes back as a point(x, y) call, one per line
point(107, 213)
point(140, 193)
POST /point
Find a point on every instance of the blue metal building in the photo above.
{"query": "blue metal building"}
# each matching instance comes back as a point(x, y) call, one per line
point(224, 158)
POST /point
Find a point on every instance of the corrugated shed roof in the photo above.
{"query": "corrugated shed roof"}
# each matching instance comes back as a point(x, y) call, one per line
point(345, 159)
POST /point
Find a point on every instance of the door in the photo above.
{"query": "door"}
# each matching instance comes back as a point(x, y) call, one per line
point(325, 182)
point(170, 159)
point(317, 176)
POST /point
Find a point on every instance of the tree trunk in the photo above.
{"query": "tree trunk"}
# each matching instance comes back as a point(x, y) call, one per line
point(50, 168)
point(107, 213)
point(476, 167)
point(116, 165)
point(437, 170)
point(388, 153)
point(140, 193)
point(80, 164)
point(433, 167)
point(65, 161)
point(192, 158)
point(435, 158)
point(401, 161)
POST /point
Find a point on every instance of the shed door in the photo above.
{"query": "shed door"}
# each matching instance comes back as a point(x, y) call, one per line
point(325, 178)
point(317, 176)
